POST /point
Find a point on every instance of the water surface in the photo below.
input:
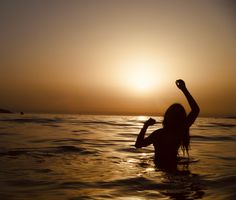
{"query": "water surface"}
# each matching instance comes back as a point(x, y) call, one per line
point(93, 157)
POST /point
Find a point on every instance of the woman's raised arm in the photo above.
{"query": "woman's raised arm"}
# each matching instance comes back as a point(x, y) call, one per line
point(193, 104)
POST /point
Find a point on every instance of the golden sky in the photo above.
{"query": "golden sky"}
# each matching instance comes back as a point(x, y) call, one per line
point(117, 57)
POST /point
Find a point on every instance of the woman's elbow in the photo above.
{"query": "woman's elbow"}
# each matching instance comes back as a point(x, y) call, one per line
point(197, 110)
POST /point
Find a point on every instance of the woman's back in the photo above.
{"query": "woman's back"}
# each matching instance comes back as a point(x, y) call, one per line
point(166, 148)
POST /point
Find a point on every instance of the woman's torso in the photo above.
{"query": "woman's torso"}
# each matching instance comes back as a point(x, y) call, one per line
point(166, 146)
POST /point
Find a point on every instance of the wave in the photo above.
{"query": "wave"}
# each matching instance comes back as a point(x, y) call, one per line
point(50, 151)
point(29, 183)
point(135, 183)
point(217, 125)
point(33, 120)
point(105, 123)
point(55, 121)
point(227, 180)
point(177, 187)
point(213, 138)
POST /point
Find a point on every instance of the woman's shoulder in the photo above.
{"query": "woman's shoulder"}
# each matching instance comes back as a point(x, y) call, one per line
point(159, 131)
point(157, 135)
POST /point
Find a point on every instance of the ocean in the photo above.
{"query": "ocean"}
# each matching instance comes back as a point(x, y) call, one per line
point(55, 157)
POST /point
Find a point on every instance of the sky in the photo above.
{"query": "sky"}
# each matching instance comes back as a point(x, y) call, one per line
point(117, 57)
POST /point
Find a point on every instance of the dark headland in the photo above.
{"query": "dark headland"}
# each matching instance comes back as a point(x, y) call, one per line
point(5, 111)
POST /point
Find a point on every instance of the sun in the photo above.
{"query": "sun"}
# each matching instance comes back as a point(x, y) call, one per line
point(141, 80)
point(140, 76)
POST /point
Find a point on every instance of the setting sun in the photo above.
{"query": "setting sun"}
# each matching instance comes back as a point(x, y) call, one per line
point(141, 80)
point(140, 75)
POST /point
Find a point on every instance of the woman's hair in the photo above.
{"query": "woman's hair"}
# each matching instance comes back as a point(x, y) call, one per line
point(175, 121)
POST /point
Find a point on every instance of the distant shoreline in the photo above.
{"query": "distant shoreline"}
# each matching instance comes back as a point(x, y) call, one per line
point(5, 111)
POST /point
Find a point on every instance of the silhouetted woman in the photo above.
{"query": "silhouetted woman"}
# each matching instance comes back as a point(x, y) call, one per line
point(173, 135)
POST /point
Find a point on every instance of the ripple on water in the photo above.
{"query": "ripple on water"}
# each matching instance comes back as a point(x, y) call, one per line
point(49, 151)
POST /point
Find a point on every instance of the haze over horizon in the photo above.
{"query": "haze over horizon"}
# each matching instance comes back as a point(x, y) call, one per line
point(117, 57)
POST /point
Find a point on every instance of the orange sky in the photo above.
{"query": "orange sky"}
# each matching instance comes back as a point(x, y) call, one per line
point(117, 57)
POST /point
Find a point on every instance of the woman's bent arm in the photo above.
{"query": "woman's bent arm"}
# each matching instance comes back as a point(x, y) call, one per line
point(140, 141)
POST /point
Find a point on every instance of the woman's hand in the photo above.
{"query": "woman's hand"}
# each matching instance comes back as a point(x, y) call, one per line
point(150, 122)
point(180, 84)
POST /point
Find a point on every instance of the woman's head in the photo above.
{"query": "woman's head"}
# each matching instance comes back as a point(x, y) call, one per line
point(175, 121)
point(175, 116)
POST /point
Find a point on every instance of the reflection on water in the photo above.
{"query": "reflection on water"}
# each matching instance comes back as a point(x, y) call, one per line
point(93, 157)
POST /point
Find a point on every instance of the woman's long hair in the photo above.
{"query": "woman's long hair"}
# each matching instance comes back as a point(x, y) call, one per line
point(175, 121)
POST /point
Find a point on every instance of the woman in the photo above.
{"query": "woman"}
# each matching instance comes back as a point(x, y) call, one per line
point(174, 134)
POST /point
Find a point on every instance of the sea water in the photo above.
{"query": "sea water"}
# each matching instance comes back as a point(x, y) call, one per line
point(75, 157)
